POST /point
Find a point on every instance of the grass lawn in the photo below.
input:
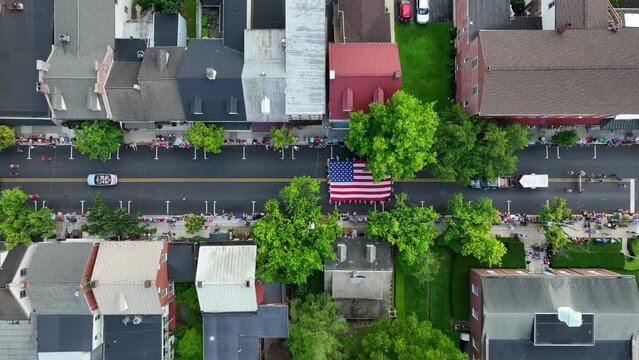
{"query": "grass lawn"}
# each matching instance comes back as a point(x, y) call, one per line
point(400, 299)
point(188, 11)
point(633, 264)
point(514, 258)
point(417, 302)
point(607, 256)
point(425, 55)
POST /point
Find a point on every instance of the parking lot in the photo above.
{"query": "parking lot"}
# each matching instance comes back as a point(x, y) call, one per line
point(440, 10)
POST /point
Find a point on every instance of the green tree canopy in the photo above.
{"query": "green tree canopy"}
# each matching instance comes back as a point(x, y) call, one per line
point(282, 137)
point(98, 139)
point(317, 331)
point(206, 136)
point(407, 339)
point(411, 228)
point(7, 136)
point(552, 215)
point(189, 347)
point(470, 226)
point(469, 147)
point(293, 239)
point(165, 6)
point(566, 137)
point(193, 223)
point(102, 221)
point(20, 224)
point(396, 138)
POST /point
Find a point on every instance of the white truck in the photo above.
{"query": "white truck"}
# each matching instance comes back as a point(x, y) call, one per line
point(527, 181)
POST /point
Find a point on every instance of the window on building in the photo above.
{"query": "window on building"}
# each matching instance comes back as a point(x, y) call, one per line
point(475, 89)
point(465, 103)
point(165, 292)
point(23, 272)
point(473, 289)
point(475, 313)
point(472, 340)
point(126, 9)
point(551, 5)
point(466, 59)
point(474, 63)
point(23, 294)
point(97, 317)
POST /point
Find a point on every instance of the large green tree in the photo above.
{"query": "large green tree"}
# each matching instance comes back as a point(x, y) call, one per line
point(282, 137)
point(396, 138)
point(103, 221)
point(98, 139)
point(293, 239)
point(20, 223)
point(317, 330)
point(206, 136)
point(7, 136)
point(470, 225)
point(552, 215)
point(469, 147)
point(407, 339)
point(409, 227)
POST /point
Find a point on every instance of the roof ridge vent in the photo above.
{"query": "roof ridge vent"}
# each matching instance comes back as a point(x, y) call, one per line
point(211, 73)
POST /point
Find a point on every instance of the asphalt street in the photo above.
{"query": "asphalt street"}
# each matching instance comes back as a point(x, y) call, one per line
point(230, 183)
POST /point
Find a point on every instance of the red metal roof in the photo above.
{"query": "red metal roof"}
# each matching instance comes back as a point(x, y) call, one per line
point(368, 71)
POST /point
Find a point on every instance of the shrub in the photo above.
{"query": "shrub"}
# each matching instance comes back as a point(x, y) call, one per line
point(607, 256)
point(566, 137)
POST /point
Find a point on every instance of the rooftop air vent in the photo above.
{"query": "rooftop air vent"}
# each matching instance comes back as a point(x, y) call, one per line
point(126, 320)
point(140, 54)
point(341, 252)
point(211, 73)
point(265, 106)
point(64, 38)
point(370, 253)
point(147, 283)
point(137, 320)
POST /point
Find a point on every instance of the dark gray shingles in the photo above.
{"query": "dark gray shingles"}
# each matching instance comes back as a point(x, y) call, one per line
point(11, 263)
point(525, 350)
point(160, 95)
point(58, 299)
point(58, 263)
point(484, 15)
point(30, 39)
point(165, 29)
point(268, 14)
point(9, 307)
point(66, 333)
point(132, 342)
point(192, 81)
point(125, 100)
point(127, 49)
point(182, 262)
point(614, 124)
point(235, 336)
point(234, 23)
point(356, 256)
point(365, 21)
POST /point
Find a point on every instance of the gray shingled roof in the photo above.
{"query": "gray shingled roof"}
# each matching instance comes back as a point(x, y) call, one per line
point(365, 21)
point(169, 30)
point(9, 307)
point(484, 15)
point(182, 262)
point(31, 38)
point(510, 303)
point(268, 14)
point(90, 26)
point(525, 350)
point(159, 88)
point(67, 333)
point(234, 23)
point(582, 14)
point(125, 101)
point(581, 72)
point(356, 256)
point(132, 342)
point(235, 336)
point(18, 340)
point(192, 81)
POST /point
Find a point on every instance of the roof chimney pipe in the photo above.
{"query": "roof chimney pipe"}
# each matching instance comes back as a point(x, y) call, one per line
point(562, 29)
point(370, 253)
point(341, 252)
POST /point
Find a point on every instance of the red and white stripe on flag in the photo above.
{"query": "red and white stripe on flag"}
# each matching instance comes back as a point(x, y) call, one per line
point(362, 187)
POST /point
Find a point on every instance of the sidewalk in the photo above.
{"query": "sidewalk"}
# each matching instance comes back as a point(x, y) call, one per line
point(543, 135)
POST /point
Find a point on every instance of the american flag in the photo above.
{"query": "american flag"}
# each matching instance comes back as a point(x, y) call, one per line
point(350, 181)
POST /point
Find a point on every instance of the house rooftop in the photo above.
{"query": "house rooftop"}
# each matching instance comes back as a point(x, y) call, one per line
point(167, 30)
point(234, 22)
point(65, 333)
point(182, 262)
point(123, 340)
point(225, 278)
point(10, 309)
point(305, 57)
point(268, 14)
point(355, 259)
point(18, 339)
point(30, 40)
point(364, 21)
point(581, 14)
point(581, 72)
point(364, 59)
point(235, 336)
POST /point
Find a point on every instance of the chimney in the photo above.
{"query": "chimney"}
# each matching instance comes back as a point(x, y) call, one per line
point(93, 284)
point(162, 60)
point(147, 283)
point(341, 252)
point(370, 253)
point(122, 304)
point(248, 283)
point(210, 73)
point(199, 284)
point(562, 29)
point(331, 74)
point(569, 316)
point(397, 74)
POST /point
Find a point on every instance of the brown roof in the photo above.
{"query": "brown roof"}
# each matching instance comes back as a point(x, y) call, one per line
point(365, 21)
point(584, 72)
point(582, 14)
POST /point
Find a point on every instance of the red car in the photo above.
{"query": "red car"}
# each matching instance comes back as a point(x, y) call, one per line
point(405, 13)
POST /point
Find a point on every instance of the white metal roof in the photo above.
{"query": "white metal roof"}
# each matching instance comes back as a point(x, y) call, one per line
point(225, 278)
point(533, 181)
point(631, 20)
point(120, 271)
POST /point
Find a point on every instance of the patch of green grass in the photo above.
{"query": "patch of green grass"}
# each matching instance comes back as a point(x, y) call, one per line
point(441, 290)
point(400, 299)
point(188, 12)
point(628, 272)
point(607, 256)
point(633, 246)
point(417, 302)
point(425, 55)
point(515, 258)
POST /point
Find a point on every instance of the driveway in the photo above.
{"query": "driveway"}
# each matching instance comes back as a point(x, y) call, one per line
point(440, 10)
